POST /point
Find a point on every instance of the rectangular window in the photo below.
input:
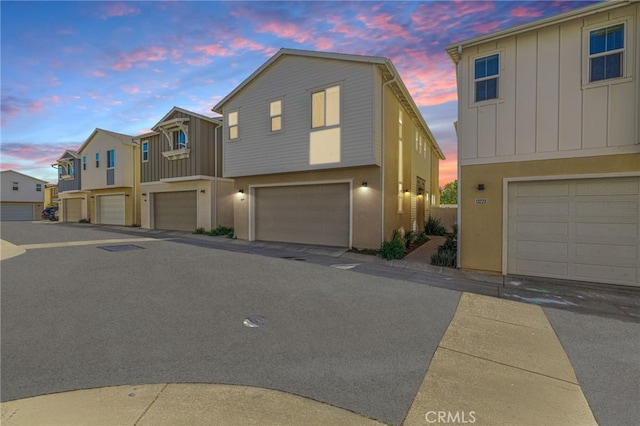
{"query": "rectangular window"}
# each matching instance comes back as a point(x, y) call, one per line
point(38, 187)
point(145, 151)
point(111, 158)
point(325, 108)
point(16, 186)
point(71, 171)
point(275, 113)
point(606, 53)
point(84, 162)
point(97, 160)
point(179, 139)
point(486, 74)
point(232, 123)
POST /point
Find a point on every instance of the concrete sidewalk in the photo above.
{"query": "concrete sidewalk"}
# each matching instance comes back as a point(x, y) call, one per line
point(499, 362)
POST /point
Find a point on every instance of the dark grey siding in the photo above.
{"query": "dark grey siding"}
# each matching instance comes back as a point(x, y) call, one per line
point(201, 159)
point(292, 79)
point(72, 185)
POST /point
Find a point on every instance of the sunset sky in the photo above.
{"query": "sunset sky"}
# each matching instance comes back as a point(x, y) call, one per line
point(69, 67)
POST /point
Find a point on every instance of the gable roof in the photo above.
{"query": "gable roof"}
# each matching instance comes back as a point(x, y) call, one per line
point(22, 174)
point(120, 137)
point(69, 153)
point(214, 120)
point(385, 65)
point(455, 49)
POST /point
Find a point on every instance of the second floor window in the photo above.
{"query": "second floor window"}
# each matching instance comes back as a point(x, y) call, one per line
point(97, 160)
point(486, 74)
point(111, 158)
point(179, 140)
point(325, 107)
point(275, 114)
point(145, 151)
point(232, 123)
point(84, 162)
point(38, 187)
point(16, 186)
point(606, 52)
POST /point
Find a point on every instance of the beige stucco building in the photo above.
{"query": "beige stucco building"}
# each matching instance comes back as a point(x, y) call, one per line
point(548, 148)
point(327, 149)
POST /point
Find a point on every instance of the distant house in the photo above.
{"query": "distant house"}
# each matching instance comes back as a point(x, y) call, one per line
point(109, 164)
point(181, 174)
point(22, 196)
point(327, 149)
point(73, 204)
point(51, 194)
point(548, 147)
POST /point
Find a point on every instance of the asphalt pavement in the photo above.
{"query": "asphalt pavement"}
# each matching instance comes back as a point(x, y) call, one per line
point(95, 307)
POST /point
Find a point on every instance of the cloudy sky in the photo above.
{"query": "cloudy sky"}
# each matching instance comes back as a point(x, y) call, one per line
point(69, 67)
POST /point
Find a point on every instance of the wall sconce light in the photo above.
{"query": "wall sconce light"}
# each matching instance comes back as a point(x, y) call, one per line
point(419, 194)
point(364, 184)
point(481, 187)
point(202, 191)
point(240, 191)
point(144, 193)
point(406, 191)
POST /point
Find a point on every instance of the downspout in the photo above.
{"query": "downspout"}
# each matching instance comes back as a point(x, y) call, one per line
point(382, 147)
point(215, 181)
point(458, 130)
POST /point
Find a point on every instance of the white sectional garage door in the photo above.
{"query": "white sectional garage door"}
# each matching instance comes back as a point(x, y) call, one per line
point(16, 211)
point(177, 211)
point(305, 214)
point(111, 209)
point(72, 210)
point(583, 229)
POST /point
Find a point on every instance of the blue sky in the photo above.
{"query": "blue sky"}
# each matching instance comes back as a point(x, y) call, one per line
point(69, 67)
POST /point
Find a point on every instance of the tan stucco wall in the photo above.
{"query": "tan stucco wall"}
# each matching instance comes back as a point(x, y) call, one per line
point(366, 201)
point(481, 236)
point(129, 203)
point(83, 195)
point(206, 200)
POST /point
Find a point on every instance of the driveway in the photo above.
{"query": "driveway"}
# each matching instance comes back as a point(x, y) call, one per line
point(169, 308)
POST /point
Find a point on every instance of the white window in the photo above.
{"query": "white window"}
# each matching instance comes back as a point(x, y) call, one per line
point(179, 139)
point(400, 168)
point(145, 151)
point(486, 77)
point(606, 53)
point(325, 107)
point(275, 114)
point(232, 123)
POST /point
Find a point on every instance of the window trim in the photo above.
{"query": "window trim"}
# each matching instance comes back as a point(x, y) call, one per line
point(15, 186)
point(324, 90)
point(97, 160)
point(486, 78)
point(38, 187)
point(111, 159)
point(472, 80)
point(145, 151)
point(627, 64)
point(272, 116)
point(235, 126)
point(84, 162)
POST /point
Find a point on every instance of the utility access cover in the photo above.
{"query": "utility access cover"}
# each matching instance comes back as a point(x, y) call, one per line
point(255, 321)
point(121, 247)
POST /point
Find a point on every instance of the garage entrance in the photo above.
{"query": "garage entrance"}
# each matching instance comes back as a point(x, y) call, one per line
point(110, 209)
point(177, 211)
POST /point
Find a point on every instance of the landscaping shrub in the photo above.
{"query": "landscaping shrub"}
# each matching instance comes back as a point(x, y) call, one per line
point(433, 226)
point(199, 231)
point(396, 248)
point(447, 253)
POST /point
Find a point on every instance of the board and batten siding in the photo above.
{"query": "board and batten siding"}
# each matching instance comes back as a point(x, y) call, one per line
point(201, 161)
point(292, 79)
point(547, 107)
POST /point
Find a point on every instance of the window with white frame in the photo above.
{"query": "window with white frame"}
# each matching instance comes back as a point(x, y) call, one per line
point(275, 115)
point(606, 53)
point(232, 124)
point(325, 108)
point(486, 76)
point(179, 139)
point(145, 151)
point(111, 158)
point(400, 168)
point(38, 187)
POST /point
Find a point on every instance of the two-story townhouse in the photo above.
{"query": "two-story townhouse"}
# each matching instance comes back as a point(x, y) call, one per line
point(549, 156)
point(110, 174)
point(73, 204)
point(327, 149)
point(51, 194)
point(21, 196)
point(181, 174)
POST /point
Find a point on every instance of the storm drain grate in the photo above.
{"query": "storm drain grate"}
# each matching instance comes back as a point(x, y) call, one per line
point(255, 321)
point(121, 247)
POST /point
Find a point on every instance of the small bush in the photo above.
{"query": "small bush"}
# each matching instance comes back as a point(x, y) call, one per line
point(447, 253)
point(220, 230)
point(199, 231)
point(433, 226)
point(394, 249)
point(84, 221)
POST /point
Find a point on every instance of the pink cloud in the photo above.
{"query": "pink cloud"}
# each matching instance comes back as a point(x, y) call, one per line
point(241, 43)
point(382, 22)
point(465, 7)
point(140, 57)
point(448, 170)
point(324, 43)
point(213, 50)
point(285, 30)
point(486, 27)
point(525, 12)
point(111, 10)
point(433, 83)
point(98, 73)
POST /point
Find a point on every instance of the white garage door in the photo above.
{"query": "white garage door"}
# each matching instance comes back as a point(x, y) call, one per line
point(176, 211)
point(306, 214)
point(16, 211)
point(72, 210)
point(110, 209)
point(585, 229)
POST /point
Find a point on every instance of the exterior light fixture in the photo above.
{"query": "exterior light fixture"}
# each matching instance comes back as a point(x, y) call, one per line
point(406, 191)
point(202, 191)
point(481, 187)
point(240, 191)
point(364, 184)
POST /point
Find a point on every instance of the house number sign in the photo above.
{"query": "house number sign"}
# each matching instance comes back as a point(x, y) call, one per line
point(481, 201)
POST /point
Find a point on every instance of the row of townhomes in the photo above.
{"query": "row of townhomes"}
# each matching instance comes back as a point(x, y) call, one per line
point(330, 149)
point(313, 147)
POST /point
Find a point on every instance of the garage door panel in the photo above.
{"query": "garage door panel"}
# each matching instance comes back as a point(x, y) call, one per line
point(177, 211)
point(73, 210)
point(596, 240)
point(306, 214)
point(14, 212)
point(111, 209)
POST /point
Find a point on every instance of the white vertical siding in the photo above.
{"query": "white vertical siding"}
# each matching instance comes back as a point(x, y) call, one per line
point(526, 91)
point(570, 87)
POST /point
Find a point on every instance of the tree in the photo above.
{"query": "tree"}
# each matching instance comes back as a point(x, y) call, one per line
point(449, 195)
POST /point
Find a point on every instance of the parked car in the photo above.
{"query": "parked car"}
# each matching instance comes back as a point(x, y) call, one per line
point(50, 212)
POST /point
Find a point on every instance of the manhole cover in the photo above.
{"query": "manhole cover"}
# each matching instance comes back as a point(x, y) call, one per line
point(255, 321)
point(122, 247)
